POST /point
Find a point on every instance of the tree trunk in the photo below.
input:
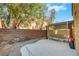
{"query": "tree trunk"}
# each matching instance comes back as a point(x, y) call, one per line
point(3, 24)
point(41, 25)
point(16, 24)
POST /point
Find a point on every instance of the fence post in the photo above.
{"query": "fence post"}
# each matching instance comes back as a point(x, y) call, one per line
point(46, 33)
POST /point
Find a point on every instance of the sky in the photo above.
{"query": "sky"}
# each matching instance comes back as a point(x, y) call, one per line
point(63, 11)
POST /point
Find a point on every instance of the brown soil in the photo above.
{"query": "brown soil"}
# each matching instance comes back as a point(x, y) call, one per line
point(13, 49)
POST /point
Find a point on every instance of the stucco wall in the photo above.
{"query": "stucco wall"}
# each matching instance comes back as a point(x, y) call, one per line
point(76, 24)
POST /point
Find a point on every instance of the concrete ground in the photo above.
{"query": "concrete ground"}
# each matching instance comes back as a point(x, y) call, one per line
point(47, 48)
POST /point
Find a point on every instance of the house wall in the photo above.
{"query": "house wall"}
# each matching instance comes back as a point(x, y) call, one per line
point(34, 25)
point(75, 11)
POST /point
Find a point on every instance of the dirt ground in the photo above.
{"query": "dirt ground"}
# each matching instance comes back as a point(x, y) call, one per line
point(13, 49)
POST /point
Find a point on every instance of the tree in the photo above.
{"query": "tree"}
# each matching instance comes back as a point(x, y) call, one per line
point(52, 16)
point(25, 12)
point(2, 14)
point(41, 16)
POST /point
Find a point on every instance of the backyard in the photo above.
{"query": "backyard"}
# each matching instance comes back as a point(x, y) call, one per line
point(37, 29)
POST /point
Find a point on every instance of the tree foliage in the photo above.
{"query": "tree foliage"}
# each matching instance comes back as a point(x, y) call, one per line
point(24, 12)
